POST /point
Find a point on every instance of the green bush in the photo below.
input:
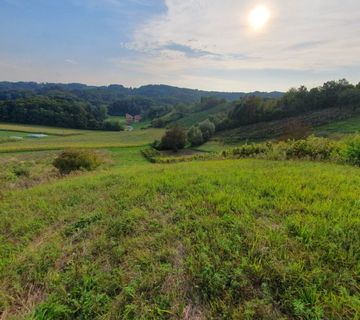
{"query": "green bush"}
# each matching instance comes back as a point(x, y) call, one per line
point(351, 151)
point(174, 139)
point(313, 148)
point(207, 128)
point(195, 137)
point(113, 126)
point(73, 160)
point(21, 172)
point(249, 150)
point(150, 154)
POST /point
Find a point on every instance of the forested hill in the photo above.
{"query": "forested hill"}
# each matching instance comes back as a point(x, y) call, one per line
point(108, 94)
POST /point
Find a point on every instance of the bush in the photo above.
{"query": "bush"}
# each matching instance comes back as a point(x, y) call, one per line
point(249, 150)
point(73, 160)
point(195, 137)
point(207, 128)
point(313, 148)
point(113, 126)
point(351, 151)
point(21, 172)
point(150, 154)
point(174, 139)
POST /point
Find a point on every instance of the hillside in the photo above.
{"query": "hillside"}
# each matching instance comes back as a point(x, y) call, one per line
point(332, 121)
point(107, 94)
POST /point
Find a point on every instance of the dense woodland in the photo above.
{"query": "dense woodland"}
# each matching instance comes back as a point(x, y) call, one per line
point(87, 107)
point(332, 94)
point(53, 111)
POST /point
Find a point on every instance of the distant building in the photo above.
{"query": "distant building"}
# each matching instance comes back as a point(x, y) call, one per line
point(137, 118)
point(129, 118)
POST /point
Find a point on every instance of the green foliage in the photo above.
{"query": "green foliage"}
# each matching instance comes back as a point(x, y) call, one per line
point(113, 126)
point(249, 150)
point(20, 171)
point(73, 160)
point(53, 111)
point(195, 136)
point(333, 94)
point(131, 105)
point(150, 154)
point(174, 139)
point(207, 128)
point(351, 150)
point(311, 148)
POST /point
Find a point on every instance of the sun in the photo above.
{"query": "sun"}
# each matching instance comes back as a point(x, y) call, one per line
point(258, 17)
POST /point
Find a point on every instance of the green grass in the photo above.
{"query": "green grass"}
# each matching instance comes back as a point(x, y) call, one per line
point(136, 126)
point(85, 139)
point(235, 239)
point(348, 126)
point(196, 117)
point(7, 134)
point(24, 128)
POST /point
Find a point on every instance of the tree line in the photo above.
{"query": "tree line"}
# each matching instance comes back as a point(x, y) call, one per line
point(249, 110)
point(54, 111)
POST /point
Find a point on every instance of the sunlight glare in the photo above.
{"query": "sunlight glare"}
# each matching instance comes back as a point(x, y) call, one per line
point(258, 17)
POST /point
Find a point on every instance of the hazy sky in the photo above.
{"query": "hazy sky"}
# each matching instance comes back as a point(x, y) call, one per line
point(206, 44)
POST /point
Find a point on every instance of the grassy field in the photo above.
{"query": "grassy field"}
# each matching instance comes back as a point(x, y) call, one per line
point(241, 239)
point(229, 239)
point(340, 127)
point(24, 128)
point(78, 138)
point(196, 117)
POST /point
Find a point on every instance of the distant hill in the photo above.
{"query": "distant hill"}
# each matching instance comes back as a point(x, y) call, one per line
point(108, 94)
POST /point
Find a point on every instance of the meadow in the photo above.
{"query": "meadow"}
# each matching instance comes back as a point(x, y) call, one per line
point(64, 138)
point(216, 239)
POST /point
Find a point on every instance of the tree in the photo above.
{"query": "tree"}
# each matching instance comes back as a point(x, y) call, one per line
point(113, 126)
point(207, 128)
point(174, 139)
point(195, 136)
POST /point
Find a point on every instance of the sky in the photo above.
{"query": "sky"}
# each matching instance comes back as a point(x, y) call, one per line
point(203, 44)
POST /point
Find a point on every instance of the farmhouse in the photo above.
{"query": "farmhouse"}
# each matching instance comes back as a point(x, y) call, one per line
point(131, 119)
point(137, 118)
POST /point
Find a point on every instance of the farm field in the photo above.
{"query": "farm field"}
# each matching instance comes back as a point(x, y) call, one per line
point(24, 128)
point(78, 138)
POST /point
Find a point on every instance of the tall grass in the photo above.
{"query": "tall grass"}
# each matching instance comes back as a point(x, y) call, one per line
point(233, 239)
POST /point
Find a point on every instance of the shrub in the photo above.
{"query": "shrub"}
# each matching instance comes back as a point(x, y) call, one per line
point(174, 139)
point(195, 137)
point(113, 126)
point(207, 128)
point(249, 150)
point(21, 172)
point(150, 154)
point(72, 160)
point(351, 150)
point(313, 147)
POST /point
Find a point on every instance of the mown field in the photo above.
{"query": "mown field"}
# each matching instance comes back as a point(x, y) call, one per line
point(64, 138)
point(225, 239)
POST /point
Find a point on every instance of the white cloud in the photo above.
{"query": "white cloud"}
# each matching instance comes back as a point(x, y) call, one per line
point(301, 35)
point(70, 61)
